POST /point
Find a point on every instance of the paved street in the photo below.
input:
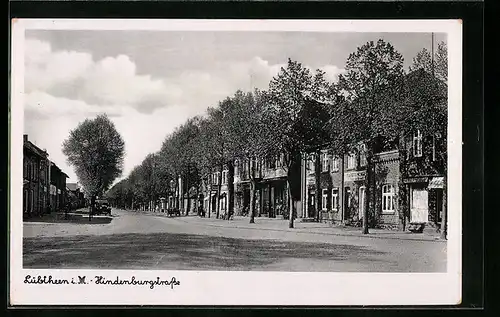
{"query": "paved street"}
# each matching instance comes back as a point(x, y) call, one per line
point(135, 240)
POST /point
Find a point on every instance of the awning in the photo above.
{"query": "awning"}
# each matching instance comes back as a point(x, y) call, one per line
point(436, 183)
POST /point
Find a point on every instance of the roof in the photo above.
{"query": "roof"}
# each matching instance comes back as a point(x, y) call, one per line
point(35, 149)
point(58, 169)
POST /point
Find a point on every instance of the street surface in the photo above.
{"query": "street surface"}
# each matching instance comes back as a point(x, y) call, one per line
point(137, 240)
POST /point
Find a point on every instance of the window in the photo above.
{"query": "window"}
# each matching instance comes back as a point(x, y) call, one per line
point(325, 161)
point(417, 144)
point(388, 198)
point(324, 199)
point(224, 177)
point(236, 168)
point(362, 155)
point(311, 163)
point(335, 164)
point(335, 199)
point(351, 161)
point(270, 163)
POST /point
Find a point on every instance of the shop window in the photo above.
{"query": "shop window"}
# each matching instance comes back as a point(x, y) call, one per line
point(417, 144)
point(335, 199)
point(388, 198)
point(324, 199)
point(351, 161)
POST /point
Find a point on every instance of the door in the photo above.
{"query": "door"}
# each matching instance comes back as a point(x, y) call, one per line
point(439, 205)
point(362, 197)
point(347, 203)
point(419, 205)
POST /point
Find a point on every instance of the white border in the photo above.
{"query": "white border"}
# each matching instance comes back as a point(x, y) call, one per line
point(247, 288)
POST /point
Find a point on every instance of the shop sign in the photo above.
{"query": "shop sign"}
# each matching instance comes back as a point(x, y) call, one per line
point(414, 180)
point(355, 176)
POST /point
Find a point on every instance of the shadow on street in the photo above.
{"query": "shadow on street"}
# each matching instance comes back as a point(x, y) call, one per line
point(182, 251)
point(71, 218)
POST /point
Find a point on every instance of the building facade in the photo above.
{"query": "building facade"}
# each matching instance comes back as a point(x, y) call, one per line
point(57, 188)
point(75, 196)
point(406, 186)
point(36, 179)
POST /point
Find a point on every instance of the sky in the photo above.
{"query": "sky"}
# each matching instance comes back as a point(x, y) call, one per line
point(150, 82)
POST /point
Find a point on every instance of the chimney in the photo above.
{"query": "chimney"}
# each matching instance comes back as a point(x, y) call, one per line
point(25, 137)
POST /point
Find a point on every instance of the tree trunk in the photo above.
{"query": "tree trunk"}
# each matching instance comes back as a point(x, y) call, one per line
point(252, 201)
point(219, 185)
point(209, 211)
point(92, 207)
point(293, 184)
point(178, 198)
point(290, 205)
point(342, 190)
point(444, 220)
point(188, 203)
point(368, 189)
point(252, 191)
point(230, 191)
point(317, 176)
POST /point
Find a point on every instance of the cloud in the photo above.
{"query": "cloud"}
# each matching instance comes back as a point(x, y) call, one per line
point(44, 105)
point(75, 75)
point(49, 120)
point(332, 72)
point(63, 88)
point(45, 69)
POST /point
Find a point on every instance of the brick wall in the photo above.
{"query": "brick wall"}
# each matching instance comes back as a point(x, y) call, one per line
point(387, 172)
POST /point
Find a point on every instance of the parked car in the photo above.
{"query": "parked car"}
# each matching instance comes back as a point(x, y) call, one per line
point(103, 207)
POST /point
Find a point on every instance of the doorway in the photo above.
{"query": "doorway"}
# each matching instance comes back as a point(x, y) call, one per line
point(419, 203)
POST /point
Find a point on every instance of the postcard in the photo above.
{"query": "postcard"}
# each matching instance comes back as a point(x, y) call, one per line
point(235, 162)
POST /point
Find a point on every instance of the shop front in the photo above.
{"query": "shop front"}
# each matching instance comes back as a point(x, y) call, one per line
point(425, 200)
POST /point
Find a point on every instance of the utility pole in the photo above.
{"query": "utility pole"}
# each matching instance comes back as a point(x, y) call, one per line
point(432, 54)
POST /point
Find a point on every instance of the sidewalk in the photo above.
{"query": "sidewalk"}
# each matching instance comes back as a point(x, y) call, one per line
point(78, 216)
point(276, 224)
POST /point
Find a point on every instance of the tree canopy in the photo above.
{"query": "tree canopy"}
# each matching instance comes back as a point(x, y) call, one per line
point(96, 150)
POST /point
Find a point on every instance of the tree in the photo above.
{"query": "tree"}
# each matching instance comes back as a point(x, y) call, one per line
point(96, 150)
point(437, 66)
point(244, 132)
point(179, 157)
point(296, 123)
point(373, 75)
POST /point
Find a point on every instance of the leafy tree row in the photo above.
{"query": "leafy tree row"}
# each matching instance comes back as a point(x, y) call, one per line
point(374, 102)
